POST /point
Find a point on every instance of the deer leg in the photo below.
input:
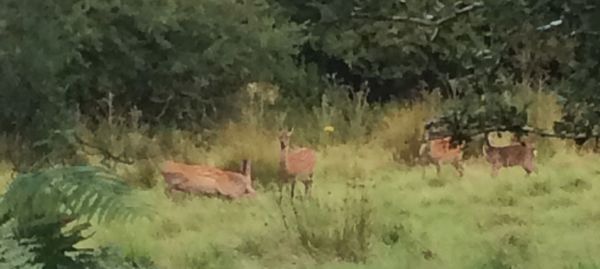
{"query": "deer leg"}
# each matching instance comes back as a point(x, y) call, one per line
point(423, 165)
point(495, 169)
point(458, 165)
point(307, 185)
point(438, 168)
point(169, 191)
point(280, 192)
point(528, 169)
point(293, 185)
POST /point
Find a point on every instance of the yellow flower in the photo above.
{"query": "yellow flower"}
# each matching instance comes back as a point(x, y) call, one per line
point(328, 129)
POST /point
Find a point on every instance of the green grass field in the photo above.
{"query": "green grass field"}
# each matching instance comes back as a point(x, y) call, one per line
point(390, 218)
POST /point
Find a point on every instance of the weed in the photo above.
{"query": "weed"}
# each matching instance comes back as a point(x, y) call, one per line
point(214, 257)
point(328, 231)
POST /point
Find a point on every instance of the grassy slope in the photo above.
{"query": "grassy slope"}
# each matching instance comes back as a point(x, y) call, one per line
point(549, 220)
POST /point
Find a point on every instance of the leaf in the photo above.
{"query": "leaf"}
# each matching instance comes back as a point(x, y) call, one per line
point(50, 192)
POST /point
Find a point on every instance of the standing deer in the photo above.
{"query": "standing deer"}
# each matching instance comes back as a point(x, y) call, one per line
point(208, 180)
point(295, 164)
point(439, 151)
point(521, 154)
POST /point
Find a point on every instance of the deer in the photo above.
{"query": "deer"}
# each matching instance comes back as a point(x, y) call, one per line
point(295, 164)
point(208, 180)
point(439, 151)
point(520, 153)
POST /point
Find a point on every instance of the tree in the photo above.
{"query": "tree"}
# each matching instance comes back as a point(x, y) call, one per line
point(405, 45)
point(473, 50)
point(174, 60)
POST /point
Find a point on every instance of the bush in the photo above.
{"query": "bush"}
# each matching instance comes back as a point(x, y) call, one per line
point(401, 128)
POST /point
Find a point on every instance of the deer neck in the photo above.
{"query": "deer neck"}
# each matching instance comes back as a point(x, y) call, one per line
point(283, 157)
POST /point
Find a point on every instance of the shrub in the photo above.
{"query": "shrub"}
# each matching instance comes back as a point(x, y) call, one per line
point(401, 128)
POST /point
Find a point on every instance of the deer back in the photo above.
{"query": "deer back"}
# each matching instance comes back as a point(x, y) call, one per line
point(442, 150)
point(511, 155)
point(193, 178)
point(174, 173)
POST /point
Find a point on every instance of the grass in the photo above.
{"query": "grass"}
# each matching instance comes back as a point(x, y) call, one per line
point(549, 220)
point(370, 208)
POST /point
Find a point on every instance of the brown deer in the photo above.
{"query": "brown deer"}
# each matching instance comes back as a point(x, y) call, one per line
point(295, 164)
point(439, 151)
point(208, 180)
point(519, 154)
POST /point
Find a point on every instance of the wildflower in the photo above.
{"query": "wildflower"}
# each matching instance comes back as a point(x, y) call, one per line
point(328, 129)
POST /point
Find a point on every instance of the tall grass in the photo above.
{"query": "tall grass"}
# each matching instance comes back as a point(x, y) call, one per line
point(333, 231)
point(400, 129)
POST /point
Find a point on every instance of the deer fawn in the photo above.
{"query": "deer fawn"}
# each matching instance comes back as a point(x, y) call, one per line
point(298, 163)
point(521, 154)
point(439, 151)
point(208, 180)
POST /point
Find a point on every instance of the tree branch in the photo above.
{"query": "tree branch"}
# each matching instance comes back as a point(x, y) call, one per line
point(166, 102)
point(579, 138)
point(105, 152)
point(422, 22)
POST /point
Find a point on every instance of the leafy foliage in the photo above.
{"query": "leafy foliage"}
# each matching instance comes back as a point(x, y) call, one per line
point(37, 210)
point(78, 192)
point(473, 50)
point(475, 115)
point(16, 253)
point(176, 61)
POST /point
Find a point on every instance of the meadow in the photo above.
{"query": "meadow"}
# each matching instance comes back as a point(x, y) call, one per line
point(371, 206)
point(397, 220)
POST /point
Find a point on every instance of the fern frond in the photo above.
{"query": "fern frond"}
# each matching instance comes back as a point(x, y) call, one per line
point(77, 192)
point(16, 253)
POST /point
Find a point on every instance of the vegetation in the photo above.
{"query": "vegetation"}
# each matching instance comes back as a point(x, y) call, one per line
point(37, 209)
point(124, 85)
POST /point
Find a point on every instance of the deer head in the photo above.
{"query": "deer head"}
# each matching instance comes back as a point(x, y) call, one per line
point(284, 138)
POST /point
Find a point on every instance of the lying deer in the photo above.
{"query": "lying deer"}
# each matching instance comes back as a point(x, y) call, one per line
point(439, 151)
point(520, 154)
point(208, 180)
point(295, 164)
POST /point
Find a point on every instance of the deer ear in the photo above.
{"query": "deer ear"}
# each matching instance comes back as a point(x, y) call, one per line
point(291, 131)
